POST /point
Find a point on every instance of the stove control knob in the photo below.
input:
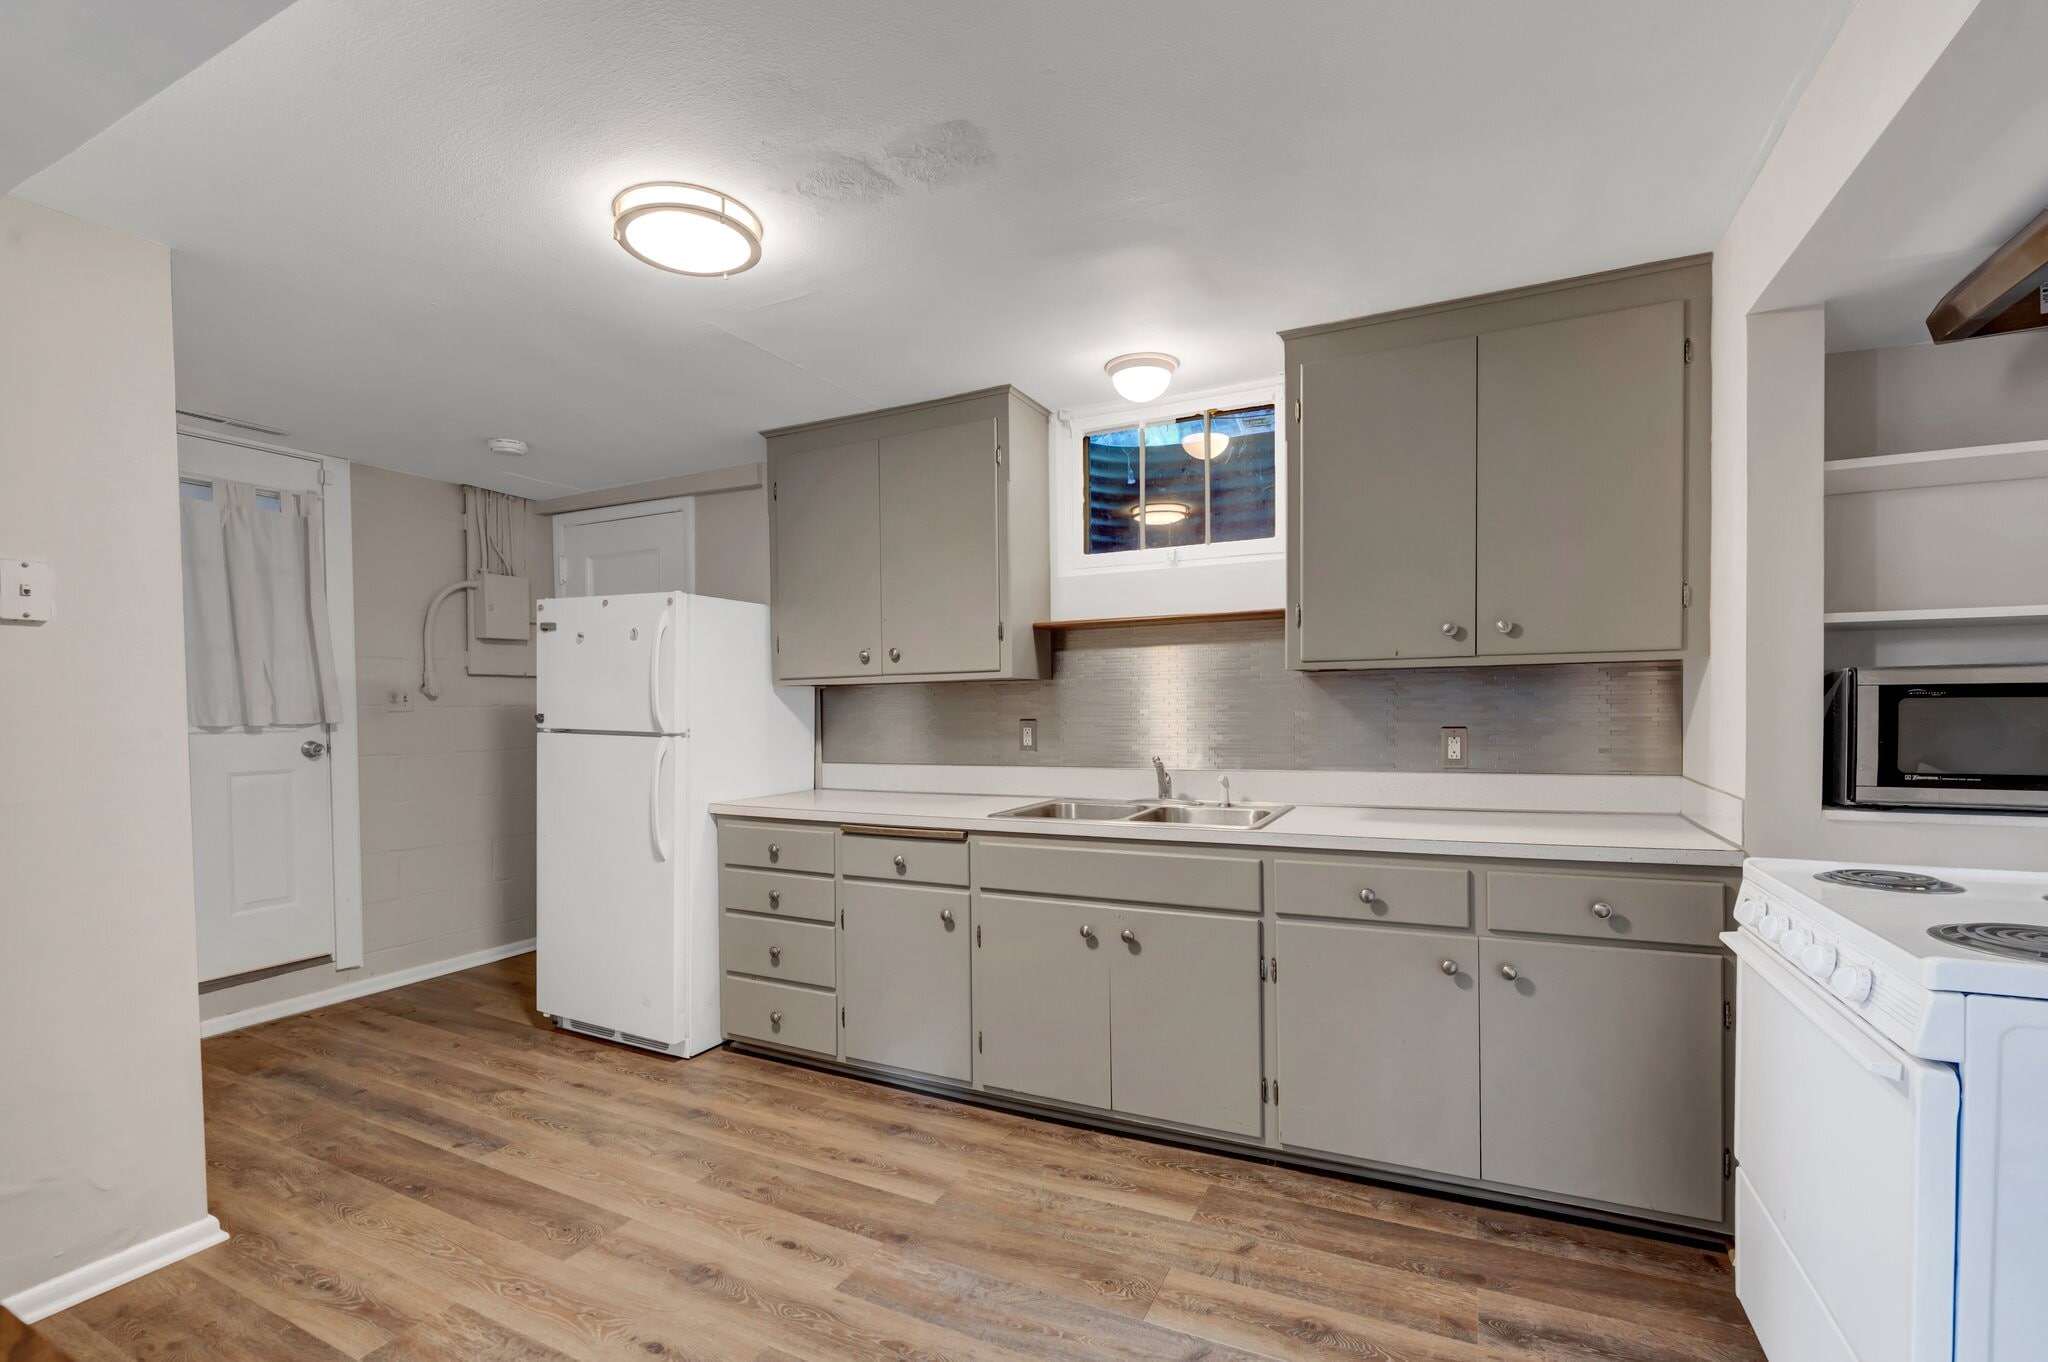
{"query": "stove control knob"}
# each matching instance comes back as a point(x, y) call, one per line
point(1851, 983)
point(1748, 909)
point(1818, 960)
point(1794, 941)
point(1771, 926)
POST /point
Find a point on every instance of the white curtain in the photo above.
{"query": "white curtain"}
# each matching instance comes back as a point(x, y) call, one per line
point(258, 651)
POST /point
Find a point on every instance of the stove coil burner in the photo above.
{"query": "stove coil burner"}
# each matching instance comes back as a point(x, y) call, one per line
point(1999, 938)
point(1891, 881)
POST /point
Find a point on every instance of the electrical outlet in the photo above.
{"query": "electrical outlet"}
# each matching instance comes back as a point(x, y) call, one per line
point(1455, 748)
point(398, 702)
point(1027, 735)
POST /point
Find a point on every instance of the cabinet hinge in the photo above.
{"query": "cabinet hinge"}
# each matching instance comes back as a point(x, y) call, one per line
point(1276, 1092)
point(999, 631)
point(1688, 349)
point(999, 456)
point(977, 933)
point(842, 1016)
point(774, 491)
point(1262, 969)
point(1297, 617)
point(1297, 409)
point(977, 1042)
point(1727, 1015)
point(842, 919)
point(1685, 596)
point(1274, 965)
point(1727, 1163)
point(1263, 1098)
point(778, 643)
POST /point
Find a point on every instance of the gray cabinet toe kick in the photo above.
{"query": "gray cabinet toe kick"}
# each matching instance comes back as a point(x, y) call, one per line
point(1540, 1032)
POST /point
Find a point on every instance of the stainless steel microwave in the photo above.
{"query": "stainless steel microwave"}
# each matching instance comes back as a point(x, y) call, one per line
point(1957, 737)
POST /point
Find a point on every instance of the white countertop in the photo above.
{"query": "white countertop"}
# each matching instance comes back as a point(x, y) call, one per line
point(1644, 838)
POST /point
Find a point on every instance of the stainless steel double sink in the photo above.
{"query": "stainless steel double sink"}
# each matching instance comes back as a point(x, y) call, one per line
point(1243, 816)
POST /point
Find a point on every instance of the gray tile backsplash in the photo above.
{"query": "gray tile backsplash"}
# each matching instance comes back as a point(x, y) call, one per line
point(1218, 696)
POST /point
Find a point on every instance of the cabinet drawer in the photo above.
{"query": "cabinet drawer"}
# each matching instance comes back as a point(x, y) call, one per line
point(800, 952)
point(762, 891)
point(1123, 874)
point(781, 1014)
point(776, 846)
point(1372, 891)
point(921, 860)
point(1610, 907)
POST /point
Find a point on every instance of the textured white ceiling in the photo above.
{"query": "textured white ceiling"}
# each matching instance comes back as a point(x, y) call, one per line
point(391, 235)
point(1955, 175)
point(69, 68)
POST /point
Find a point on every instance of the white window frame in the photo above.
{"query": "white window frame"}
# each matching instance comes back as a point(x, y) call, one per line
point(1189, 579)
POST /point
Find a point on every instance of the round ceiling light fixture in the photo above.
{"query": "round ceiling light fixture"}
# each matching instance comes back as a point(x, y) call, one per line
point(1142, 376)
point(1161, 512)
point(1205, 447)
point(686, 229)
point(507, 446)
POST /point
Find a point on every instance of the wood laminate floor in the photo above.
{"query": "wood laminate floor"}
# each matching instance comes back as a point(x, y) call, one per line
point(435, 1173)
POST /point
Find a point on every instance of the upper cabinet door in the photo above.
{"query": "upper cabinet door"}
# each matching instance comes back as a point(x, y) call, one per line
point(828, 563)
point(1582, 484)
point(940, 555)
point(1386, 492)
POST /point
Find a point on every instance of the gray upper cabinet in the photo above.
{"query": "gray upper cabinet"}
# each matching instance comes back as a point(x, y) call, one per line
point(910, 544)
point(1601, 1073)
point(1582, 484)
point(1519, 477)
point(941, 591)
point(828, 563)
point(1386, 503)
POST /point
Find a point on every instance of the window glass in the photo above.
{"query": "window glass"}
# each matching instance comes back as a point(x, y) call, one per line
point(1176, 485)
point(1114, 475)
point(1241, 475)
point(1206, 478)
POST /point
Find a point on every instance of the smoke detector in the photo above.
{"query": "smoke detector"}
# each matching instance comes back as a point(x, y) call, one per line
point(506, 445)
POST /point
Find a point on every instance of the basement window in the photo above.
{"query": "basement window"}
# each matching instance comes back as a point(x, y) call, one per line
point(1183, 482)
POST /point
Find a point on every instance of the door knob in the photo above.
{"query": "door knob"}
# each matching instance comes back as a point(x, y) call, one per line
point(895, 654)
point(1505, 626)
point(1449, 967)
point(1130, 937)
point(1603, 910)
point(1510, 973)
point(1450, 630)
point(311, 749)
point(864, 656)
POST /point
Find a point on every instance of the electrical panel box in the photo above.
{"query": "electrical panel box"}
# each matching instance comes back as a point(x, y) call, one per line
point(507, 609)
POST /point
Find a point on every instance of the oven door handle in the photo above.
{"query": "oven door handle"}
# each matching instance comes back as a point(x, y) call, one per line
point(1869, 1053)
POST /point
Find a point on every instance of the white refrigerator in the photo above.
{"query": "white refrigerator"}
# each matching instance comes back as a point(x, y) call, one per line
point(651, 708)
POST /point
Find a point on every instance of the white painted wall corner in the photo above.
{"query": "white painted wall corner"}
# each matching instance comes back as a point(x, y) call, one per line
point(137, 1260)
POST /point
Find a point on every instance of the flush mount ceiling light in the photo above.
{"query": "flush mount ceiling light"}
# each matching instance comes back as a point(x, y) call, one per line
point(1205, 447)
point(1142, 376)
point(686, 229)
point(1161, 512)
point(506, 445)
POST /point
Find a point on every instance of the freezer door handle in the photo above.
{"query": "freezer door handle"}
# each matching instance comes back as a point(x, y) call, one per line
point(654, 675)
point(656, 828)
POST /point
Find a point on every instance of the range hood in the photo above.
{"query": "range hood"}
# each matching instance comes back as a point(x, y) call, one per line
point(2008, 292)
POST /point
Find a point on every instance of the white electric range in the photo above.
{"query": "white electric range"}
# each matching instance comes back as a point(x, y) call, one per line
point(1891, 1113)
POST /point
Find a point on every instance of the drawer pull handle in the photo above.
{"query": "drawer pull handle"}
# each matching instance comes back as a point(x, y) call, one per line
point(1603, 910)
point(1130, 937)
point(895, 654)
point(774, 851)
point(1449, 967)
point(900, 865)
point(775, 1019)
point(775, 954)
point(1510, 973)
point(774, 898)
point(864, 656)
point(1367, 896)
point(946, 916)
point(1087, 932)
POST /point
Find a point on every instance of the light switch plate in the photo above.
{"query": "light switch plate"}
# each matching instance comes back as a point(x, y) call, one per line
point(1455, 748)
point(28, 590)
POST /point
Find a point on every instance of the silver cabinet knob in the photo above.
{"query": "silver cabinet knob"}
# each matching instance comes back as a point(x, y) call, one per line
point(775, 954)
point(1510, 973)
point(864, 656)
point(1130, 937)
point(774, 898)
point(1505, 626)
point(1603, 910)
point(1367, 896)
point(900, 865)
point(895, 654)
point(1449, 967)
point(311, 749)
point(946, 916)
point(774, 851)
point(1450, 630)
point(1087, 932)
point(775, 1019)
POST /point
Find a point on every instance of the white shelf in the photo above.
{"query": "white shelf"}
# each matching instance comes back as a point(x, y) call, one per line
point(1937, 468)
point(1973, 614)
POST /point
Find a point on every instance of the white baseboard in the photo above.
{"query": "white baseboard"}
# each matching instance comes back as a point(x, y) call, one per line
point(80, 1284)
point(358, 988)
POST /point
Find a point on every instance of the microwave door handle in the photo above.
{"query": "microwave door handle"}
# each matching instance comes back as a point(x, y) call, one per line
point(656, 828)
point(654, 674)
point(1873, 1058)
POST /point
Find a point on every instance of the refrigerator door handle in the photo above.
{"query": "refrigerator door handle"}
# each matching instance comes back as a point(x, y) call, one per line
point(654, 674)
point(655, 826)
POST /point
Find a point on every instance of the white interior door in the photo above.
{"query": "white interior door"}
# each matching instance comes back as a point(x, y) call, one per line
point(623, 550)
point(262, 799)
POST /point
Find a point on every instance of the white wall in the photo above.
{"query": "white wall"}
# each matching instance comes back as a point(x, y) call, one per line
point(100, 1122)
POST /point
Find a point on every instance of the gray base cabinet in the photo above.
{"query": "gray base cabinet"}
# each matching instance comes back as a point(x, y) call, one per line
point(1184, 1018)
point(1379, 1045)
point(1041, 998)
point(1601, 1073)
point(904, 978)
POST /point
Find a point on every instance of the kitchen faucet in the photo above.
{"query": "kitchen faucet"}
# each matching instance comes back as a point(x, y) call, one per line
point(1165, 780)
